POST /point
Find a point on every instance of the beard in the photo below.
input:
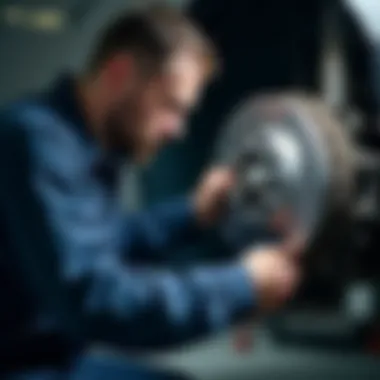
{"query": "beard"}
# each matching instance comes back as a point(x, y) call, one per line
point(119, 130)
point(124, 132)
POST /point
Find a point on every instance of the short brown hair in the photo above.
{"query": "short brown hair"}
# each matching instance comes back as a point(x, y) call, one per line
point(154, 35)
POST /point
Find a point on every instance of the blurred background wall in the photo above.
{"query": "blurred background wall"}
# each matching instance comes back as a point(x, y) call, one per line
point(40, 38)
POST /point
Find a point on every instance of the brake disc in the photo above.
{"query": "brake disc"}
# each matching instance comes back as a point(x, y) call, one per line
point(290, 154)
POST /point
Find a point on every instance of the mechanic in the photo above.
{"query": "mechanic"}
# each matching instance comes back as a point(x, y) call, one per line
point(69, 277)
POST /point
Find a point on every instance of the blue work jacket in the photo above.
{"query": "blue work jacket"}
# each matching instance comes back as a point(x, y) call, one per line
point(74, 268)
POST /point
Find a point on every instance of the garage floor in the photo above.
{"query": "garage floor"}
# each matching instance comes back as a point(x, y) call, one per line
point(217, 360)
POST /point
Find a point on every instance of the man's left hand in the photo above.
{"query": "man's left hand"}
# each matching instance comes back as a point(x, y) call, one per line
point(211, 195)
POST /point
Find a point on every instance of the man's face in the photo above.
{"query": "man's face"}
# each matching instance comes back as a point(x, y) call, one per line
point(147, 113)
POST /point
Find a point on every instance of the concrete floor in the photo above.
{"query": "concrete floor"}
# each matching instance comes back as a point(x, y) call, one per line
point(217, 360)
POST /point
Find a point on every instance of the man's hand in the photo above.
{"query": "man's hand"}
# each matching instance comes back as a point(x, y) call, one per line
point(211, 195)
point(275, 272)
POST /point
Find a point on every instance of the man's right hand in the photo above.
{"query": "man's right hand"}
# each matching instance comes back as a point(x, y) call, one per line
point(275, 272)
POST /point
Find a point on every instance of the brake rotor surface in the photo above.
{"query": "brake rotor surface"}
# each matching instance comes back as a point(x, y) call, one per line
point(290, 155)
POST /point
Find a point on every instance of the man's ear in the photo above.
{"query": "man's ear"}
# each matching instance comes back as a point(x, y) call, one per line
point(121, 71)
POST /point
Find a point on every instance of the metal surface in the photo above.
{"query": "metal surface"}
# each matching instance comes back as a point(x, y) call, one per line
point(367, 13)
point(290, 155)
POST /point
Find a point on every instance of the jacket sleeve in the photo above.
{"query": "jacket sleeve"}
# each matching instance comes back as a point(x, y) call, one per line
point(153, 233)
point(131, 306)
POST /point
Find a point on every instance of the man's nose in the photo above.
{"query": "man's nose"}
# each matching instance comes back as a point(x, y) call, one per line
point(174, 131)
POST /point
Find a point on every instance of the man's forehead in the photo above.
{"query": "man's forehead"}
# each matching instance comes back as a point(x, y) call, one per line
point(184, 73)
point(184, 61)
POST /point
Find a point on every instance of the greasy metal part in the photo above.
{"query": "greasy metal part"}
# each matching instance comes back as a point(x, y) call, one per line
point(290, 154)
